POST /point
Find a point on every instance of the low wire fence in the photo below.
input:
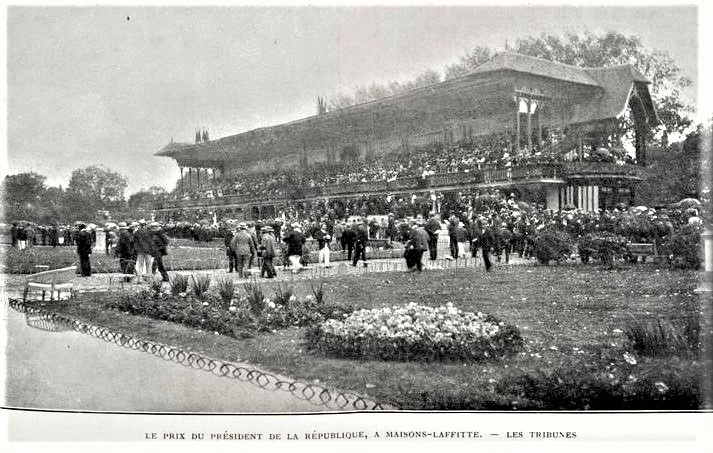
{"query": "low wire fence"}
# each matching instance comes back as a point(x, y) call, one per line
point(313, 393)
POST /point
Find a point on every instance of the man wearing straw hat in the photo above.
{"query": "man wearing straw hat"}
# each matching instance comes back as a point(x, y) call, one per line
point(295, 239)
point(126, 251)
point(242, 246)
point(144, 243)
point(159, 249)
point(267, 245)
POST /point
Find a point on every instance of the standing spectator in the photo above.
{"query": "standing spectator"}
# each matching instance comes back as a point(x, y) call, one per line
point(452, 236)
point(13, 233)
point(391, 227)
point(475, 233)
point(54, 235)
point(21, 237)
point(159, 249)
point(487, 242)
point(242, 245)
point(254, 239)
point(110, 240)
point(417, 246)
point(348, 238)
point(322, 237)
point(433, 226)
point(68, 235)
point(503, 241)
point(361, 240)
point(229, 253)
point(295, 240)
point(29, 236)
point(144, 244)
point(126, 251)
point(338, 230)
point(267, 246)
point(84, 249)
point(462, 239)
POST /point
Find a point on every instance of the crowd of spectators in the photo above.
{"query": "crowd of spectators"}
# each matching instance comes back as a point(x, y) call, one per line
point(493, 151)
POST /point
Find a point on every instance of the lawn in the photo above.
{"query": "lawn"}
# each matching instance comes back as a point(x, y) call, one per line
point(180, 257)
point(573, 320)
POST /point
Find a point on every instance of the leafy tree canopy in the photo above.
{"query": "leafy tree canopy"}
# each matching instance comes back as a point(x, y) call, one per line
point(584, 50)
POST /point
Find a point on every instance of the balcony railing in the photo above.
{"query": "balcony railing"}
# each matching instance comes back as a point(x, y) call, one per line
point(521, 174)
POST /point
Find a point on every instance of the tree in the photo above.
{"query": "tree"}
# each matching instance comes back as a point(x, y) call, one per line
point(468, 62)
point(674, 171)
point(95, 188)
point(23, 195)
point(612, 48)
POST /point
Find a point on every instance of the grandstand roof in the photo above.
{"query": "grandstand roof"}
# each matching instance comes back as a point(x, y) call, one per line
point(537, 66)
point(616, 84)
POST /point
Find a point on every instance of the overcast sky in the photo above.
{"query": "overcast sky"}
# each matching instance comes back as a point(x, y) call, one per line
point(112, 86)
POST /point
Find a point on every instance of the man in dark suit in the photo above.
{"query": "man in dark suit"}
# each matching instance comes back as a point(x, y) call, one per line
point(361, 240)
point(159, 249)
point(126, 251)
point(84, 249)
point(433, 226)
point(487, 241)
point(348, 238)
point(418, 244)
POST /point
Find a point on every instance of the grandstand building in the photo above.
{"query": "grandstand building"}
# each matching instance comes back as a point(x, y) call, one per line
point(535, 107)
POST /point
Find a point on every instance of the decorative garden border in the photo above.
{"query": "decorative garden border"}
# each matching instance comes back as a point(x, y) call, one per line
point(313, 393)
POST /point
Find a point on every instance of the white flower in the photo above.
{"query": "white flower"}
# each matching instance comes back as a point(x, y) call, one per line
point(233, 308)
point(630, 359)
point(661, 387)
point(205, 304)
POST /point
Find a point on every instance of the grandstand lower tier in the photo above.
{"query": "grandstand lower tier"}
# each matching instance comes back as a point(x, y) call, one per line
point(588, 186)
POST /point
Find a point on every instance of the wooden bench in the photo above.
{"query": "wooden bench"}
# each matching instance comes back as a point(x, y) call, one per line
point(54, 280)
point(647, 250)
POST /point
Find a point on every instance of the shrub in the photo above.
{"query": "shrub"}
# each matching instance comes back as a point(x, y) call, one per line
point(226, 291)
point(179, 284)
point(586, 383)
point(255, 298)
point(318, 293)
point(684, 246)
point(603, 246)
point(284, 295)
point(200, 286)
point(660, 338)
point(156, 285)
point(552, 245)
point(187, 311)
point(415, 332)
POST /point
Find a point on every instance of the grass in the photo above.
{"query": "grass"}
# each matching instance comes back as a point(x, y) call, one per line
point(206, 256)
point(572, 318)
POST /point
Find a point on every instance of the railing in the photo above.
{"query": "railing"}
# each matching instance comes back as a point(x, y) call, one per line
point(598, 168)
point(525, 173)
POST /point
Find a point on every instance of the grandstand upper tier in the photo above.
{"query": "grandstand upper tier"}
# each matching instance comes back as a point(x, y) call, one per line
point(529, 99)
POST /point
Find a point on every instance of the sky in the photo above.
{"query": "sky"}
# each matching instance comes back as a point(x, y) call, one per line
point(112, 85)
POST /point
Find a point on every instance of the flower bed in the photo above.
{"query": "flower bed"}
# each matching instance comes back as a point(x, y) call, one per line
point(415, 333)
point(239, 317)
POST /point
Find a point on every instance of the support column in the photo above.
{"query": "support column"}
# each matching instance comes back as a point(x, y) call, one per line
point(190, 178)
point(539, 127)
point(529, 125)
point(182, 188)
point(198, 183)
point(517, 134)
